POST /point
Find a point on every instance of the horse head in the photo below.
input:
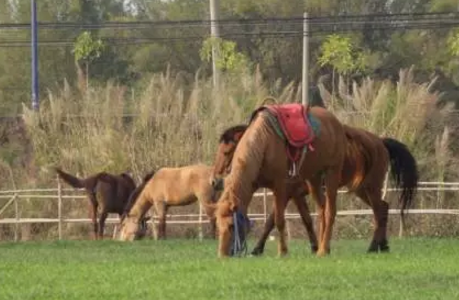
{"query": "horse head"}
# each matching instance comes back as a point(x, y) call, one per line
point(233, 225)
point(140, 227)
point(227, 145)
point(132, 228)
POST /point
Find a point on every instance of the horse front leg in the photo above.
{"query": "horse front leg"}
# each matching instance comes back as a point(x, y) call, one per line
point(280, 204)
point(213, 227)
point(161, 209)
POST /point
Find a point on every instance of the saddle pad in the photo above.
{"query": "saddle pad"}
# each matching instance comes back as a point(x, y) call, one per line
point(292, 119)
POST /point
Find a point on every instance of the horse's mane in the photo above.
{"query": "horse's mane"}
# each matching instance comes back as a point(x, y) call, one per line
point(248, 157)
point(136, 193)
point(228, 135)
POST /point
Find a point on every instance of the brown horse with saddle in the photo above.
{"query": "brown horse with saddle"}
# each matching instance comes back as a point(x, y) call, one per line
point(364, 167)
point(261, 154)
point(362, 174)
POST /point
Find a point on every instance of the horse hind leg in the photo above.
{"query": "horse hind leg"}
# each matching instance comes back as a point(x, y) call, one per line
point(380, 216)
point(93, 216)
point(315, 191)
point(305, 214)
point(269, 226)
point(331, 181)
point(212, 220)
point(102, 219)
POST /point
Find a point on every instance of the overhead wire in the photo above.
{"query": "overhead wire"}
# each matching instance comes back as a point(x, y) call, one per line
point(290, 27)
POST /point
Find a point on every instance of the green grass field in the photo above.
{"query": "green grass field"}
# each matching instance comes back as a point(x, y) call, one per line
point(187, 269)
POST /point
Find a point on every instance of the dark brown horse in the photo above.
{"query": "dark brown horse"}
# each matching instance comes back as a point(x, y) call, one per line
point(364, 169)
point(107, 193)
point(261, 155)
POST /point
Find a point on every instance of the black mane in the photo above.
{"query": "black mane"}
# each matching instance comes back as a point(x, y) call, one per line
point(228, 134)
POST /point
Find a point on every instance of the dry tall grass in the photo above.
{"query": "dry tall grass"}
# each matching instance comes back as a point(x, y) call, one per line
point(169, 123)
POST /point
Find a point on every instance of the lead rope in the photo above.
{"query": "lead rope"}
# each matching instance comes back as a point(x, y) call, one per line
point(239, 244)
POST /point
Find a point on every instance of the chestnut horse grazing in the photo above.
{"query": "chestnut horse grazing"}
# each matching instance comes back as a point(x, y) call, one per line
point(169, 187)
point(107, 193)
point(365, 166)
point(261, 155)
point(296, 190)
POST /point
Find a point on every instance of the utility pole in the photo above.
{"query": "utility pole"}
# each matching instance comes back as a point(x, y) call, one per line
point(305, 79)
point(214, 33)
point(34, 44)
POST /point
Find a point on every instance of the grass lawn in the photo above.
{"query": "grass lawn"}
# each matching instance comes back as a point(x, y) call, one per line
point(417, 268)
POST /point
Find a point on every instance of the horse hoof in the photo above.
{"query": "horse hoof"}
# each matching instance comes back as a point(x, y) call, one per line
point(257, 252)
point(384, 248)
point(322, 253)
point(314, 249)
point(282, 254)
point(372, 250)
point(374, 247)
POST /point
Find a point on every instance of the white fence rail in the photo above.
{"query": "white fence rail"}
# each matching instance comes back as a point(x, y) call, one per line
point(15, 196)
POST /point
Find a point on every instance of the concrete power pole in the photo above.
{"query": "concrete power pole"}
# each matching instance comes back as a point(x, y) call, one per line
point(214, 33)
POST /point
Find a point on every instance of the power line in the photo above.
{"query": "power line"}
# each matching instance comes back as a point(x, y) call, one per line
point(261, 27)
point(368, 18)
point(261, 34)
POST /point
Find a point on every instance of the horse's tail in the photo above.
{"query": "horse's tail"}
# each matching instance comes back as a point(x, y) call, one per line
point(404, 171)
point(70, 179)
point(87, 183)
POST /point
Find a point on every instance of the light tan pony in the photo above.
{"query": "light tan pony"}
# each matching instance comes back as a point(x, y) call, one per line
point(367, 161)
point(169, 187)
point(261, 154)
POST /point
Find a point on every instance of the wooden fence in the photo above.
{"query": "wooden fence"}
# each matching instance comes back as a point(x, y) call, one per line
point(14, 197)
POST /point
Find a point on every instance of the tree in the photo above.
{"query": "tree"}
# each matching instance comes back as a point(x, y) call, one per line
point(86, 50)
point(229, 59)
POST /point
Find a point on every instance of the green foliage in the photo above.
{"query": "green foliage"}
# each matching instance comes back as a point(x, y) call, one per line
point(339, 52)
point(86, 48)
point(229, 59)
point(453, 43)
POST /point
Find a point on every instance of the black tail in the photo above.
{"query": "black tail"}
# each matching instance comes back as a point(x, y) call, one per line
point(70, 179)
point(404, 171)
point(88, 183)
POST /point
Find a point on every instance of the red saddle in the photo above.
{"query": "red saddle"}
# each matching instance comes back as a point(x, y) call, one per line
point(294, 123)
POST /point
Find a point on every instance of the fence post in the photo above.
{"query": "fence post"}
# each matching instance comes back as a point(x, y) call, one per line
point(265, 212)
point(59, 207)
point(153, 225)
point(200, 235)
point(16, 214)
